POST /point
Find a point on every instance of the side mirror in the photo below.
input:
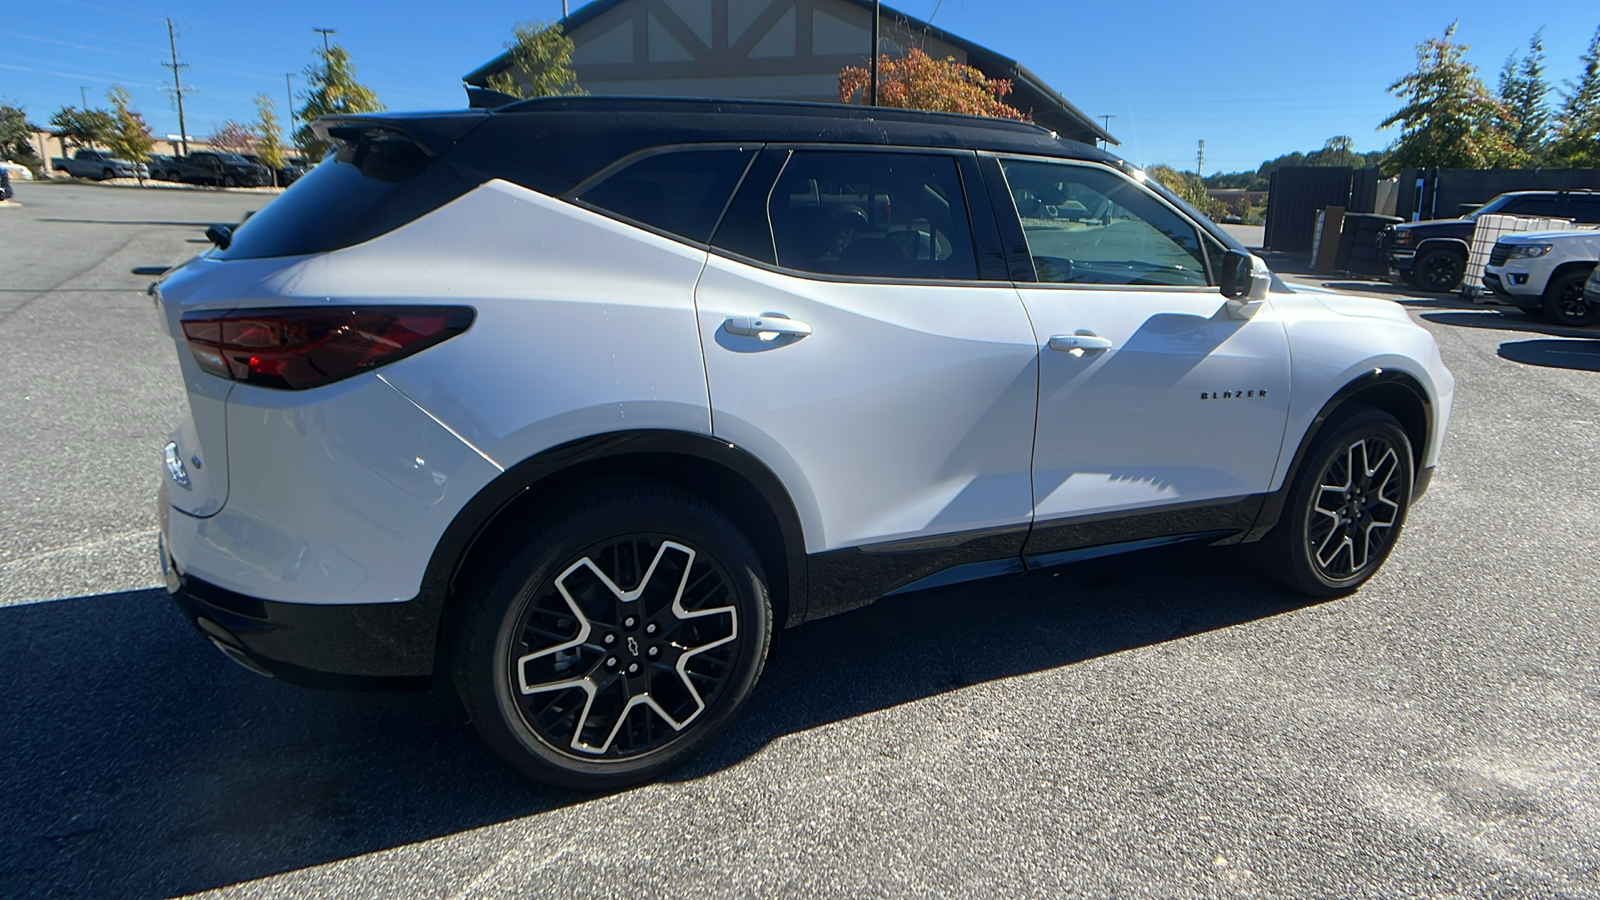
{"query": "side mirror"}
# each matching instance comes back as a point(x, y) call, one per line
point(1245, 281)
point(221, 235)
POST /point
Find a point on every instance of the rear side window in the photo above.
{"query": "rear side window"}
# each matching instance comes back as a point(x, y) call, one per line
point(682, 192)
point(878, 215)
point(353, 195)
point(1585, 210)
point(1536, 207)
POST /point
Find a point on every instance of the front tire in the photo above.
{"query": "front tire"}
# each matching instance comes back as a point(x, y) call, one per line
point(1345, 508)
point(625, 636)
point(1564, 303)
point(1440, 270)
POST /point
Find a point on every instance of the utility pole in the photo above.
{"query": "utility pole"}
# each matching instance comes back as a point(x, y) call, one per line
point(1200, 160)
point(563, 9)
point(83, 96)
point(288, 121)
point(177, 86)
point(877, 20)
point(325, 32)
point(1106, 142)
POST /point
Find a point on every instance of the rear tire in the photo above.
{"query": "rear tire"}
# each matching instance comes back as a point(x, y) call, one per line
point(1564, 303)
point(623, 638)
point(1345, 509)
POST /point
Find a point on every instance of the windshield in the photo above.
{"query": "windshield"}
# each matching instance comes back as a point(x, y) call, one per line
point(1495, 204)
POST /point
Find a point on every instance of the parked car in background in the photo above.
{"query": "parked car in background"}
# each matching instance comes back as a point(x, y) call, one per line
point(1432, 255)
point(580, 401)
point(163, 167)
point(223, 170)
point(1591, 289)
point(283, 175)
point(5, 183)
point(98, 165)
point(1543, 273)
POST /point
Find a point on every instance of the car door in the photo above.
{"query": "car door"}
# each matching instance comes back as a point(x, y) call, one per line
point(1151, 395)
point(851, 345)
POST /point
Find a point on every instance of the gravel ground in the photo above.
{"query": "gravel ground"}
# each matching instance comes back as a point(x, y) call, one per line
point(1160, 724)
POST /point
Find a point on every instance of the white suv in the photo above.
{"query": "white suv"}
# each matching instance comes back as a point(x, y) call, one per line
point(579, 402)
point(1542, 273)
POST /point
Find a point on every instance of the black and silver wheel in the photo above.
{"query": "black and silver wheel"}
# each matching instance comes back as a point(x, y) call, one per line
point(627, 635)
point(1439, 270)
point(1345, 509)
point(1564, 303)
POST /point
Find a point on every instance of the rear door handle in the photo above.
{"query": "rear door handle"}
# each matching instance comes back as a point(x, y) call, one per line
point(766, 326)
point(1082, 342)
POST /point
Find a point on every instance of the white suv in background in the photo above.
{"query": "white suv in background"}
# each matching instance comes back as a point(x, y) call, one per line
point(1542, 273)
point(580, 401)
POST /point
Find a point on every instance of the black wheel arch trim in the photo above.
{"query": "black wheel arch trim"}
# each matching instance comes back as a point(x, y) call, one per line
point(1441, 243)
point(1272, 508)
point(445, 568)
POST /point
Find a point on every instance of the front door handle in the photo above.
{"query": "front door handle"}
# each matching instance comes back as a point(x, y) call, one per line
point(1080, 343)
point(766, 326)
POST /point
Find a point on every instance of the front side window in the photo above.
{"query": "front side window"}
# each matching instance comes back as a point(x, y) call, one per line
point(682, 192)
point(870, 214)
point(1087, 225)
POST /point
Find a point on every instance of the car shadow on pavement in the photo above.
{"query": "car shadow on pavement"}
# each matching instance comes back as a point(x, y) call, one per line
point(1507, 320)
point(1581, 355)
point(139, 762)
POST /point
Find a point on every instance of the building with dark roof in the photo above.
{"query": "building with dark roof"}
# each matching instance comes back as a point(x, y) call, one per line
point(771, 50)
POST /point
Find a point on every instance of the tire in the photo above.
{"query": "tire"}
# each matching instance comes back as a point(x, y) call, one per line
point(1564, 303)
point(1439, 270)
point(587, 673)
point(107, 175)
point(1345, 509)
point(229, 181)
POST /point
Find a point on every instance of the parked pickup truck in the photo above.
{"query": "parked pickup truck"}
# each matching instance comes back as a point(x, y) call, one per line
point(98, 165)
point(1433, 255)
point(222, 169)
point(1542, 273)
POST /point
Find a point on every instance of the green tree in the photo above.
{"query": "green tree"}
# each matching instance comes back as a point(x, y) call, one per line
point(81, 127)
point(1577, 132)
point(918, 81)
point(268, 145)
point(1449, 118)
point(1190, 186)
point(130, 137)
point(16, 137)
point(333, 91)
point(541, 63)
point(1525, 117)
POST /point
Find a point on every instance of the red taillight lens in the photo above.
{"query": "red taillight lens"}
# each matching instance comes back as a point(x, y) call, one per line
point(300, 348)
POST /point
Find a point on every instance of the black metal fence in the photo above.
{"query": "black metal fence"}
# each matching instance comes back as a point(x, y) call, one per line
point(1295, 195)
point(1447, 193)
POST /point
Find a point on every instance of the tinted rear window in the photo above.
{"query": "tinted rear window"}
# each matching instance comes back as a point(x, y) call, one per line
point(681, 192)
point(350, 197)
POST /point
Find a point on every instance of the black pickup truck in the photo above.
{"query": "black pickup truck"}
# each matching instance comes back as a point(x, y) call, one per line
point(222, 169)
point(1433, 255)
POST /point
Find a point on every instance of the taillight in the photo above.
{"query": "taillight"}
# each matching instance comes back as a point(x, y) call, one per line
point(298, 348)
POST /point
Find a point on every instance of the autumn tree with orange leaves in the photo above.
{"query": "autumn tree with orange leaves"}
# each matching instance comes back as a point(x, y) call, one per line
point(919, 81)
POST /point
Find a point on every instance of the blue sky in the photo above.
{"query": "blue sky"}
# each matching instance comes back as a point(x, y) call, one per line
point(1252, 79)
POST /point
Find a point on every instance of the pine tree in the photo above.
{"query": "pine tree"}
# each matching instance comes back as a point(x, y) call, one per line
point(1449, 118)
point(268, 147)
point(1577, 131)
point(130, 137)
point(333, 91)
point(541, 63)
point(1526, 118)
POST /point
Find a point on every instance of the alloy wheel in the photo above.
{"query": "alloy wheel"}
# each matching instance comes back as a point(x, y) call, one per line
point(625, 648)
point(1571, 307)
point(1359, 501)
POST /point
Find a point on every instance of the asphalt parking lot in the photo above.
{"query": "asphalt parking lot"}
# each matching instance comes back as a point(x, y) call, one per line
point(1160, 724)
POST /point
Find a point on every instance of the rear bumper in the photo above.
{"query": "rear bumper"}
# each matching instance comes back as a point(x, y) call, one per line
point(368, 646)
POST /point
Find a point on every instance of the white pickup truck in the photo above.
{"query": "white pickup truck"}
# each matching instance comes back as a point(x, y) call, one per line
point(1542, 273)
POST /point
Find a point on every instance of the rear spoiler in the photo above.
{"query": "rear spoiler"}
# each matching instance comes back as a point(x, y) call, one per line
point(433, 133)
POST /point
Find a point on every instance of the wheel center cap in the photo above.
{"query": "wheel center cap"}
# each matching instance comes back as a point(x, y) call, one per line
point(633, 645)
